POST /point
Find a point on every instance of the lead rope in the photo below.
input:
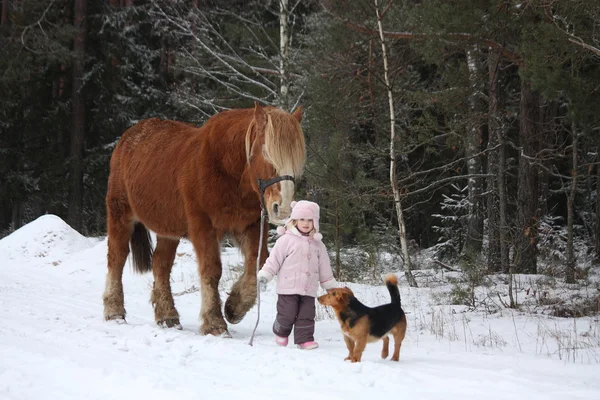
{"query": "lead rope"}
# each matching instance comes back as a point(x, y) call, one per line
point(262, 186)
point(262, 229)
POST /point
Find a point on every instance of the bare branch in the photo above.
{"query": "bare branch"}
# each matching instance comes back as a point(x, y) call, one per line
point(235, 68)
point(456, 37)
point(580, 42)
point(443, 181)
point(441, 264)
point(38, 23)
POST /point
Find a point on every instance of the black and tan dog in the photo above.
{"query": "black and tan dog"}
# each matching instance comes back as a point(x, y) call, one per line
point(361, 324)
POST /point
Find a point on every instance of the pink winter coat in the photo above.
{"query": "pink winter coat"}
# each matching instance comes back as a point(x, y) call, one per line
point(300, 263)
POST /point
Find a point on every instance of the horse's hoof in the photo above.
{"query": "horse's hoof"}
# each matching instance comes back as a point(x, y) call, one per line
point(232, 318)
point(215, 331)
point(225, 335)
point(230, 314)
point(170, 323)
point(118, 318)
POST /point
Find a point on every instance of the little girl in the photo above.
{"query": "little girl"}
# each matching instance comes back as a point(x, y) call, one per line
point(300, 260)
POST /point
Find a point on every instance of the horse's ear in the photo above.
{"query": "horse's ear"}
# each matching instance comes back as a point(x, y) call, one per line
point(259, 114)
point(298, 113)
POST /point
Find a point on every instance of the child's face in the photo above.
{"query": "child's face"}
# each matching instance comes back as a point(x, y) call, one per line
point(304, 225)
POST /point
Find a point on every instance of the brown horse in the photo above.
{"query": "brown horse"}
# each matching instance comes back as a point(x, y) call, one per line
point(181, 181)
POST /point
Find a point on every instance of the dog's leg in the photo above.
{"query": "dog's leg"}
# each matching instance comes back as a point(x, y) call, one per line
point(359, 347)
point(385, 351)
point(399, 331)
point(350, 346)
point(397, 345)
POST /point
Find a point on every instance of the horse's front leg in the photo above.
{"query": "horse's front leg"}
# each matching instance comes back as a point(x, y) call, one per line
point(243, 293)
point(208, 252)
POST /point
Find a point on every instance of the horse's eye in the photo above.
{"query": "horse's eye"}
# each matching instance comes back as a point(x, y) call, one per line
point(276, 208)
point(264, 153)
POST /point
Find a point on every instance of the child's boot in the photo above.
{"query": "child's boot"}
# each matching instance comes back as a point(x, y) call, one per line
point(281, 341)
point(308, 345)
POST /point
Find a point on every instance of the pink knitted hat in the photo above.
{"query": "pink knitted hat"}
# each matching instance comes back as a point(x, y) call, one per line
point(304, 209)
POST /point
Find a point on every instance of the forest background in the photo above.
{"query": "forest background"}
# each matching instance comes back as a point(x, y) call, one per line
point(467, 128)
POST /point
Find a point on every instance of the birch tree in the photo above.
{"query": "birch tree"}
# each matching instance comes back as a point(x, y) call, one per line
point(284, 52)
point(393, 180)
point(473, 140)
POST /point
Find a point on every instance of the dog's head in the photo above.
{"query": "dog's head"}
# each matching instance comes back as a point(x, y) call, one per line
point(336, 298)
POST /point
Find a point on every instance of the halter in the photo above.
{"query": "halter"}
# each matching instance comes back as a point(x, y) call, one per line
point(262, 186)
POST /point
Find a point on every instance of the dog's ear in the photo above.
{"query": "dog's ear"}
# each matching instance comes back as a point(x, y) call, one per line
point(343, 295)
point(337, 293)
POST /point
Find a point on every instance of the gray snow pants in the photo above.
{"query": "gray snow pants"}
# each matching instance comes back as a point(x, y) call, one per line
point(294, 310)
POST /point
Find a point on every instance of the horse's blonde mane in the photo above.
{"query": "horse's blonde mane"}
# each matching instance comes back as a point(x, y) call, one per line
point(284, 145)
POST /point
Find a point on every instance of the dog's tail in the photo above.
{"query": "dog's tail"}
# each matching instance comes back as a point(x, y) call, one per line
point(391, 281)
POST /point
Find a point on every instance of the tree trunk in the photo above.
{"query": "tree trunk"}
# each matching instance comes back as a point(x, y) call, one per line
point(284, 42)
point(494, 132)
point(17, 214)
point(6, 210)
point(165, 60)
point(497, 198)
point(527, 193)
point(4, 18)
point(75, 202)
point(338, 240)
point(474, 240)
point(548, 137)
point(598, 204)
point(505, 266)
point(570, 272)
point(5, 216)
point(394, 183)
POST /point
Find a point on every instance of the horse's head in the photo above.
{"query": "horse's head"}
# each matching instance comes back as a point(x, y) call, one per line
point(275, 148)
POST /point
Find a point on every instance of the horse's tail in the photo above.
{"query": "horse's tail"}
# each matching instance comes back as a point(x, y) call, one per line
point(141, 249)
point(391, 281)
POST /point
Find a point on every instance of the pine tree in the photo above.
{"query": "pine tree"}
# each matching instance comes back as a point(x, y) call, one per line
point(33, 109)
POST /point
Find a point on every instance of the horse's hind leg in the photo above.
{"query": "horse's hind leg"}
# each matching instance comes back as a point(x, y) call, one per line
point(120, 228)
point(243, 292)
point(162, 298)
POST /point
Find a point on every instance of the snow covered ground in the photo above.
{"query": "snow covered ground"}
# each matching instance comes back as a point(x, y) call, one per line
point(54, 343)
